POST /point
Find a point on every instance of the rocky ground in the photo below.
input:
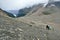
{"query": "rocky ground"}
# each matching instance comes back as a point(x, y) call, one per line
point(31, 26)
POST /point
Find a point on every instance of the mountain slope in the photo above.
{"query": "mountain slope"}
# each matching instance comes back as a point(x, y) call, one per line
point(32, 26)
point(45, 16)
point(2, 13)
point(12, 29)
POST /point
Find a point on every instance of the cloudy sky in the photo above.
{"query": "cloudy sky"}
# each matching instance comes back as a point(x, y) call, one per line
point(18, 4)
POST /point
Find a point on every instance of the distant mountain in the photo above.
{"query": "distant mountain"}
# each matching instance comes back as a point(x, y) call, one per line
point(12, 11)
point(30, 10)
point(5, 13)
point(56, 3)
point(21, 12)
point(18, 13)
point(10, 14)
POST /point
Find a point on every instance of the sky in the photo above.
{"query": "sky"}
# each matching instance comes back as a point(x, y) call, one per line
point(19, 4)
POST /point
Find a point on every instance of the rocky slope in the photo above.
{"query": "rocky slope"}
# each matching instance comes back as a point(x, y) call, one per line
point(33, 26)
point(12, 29)
point(45, 16)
